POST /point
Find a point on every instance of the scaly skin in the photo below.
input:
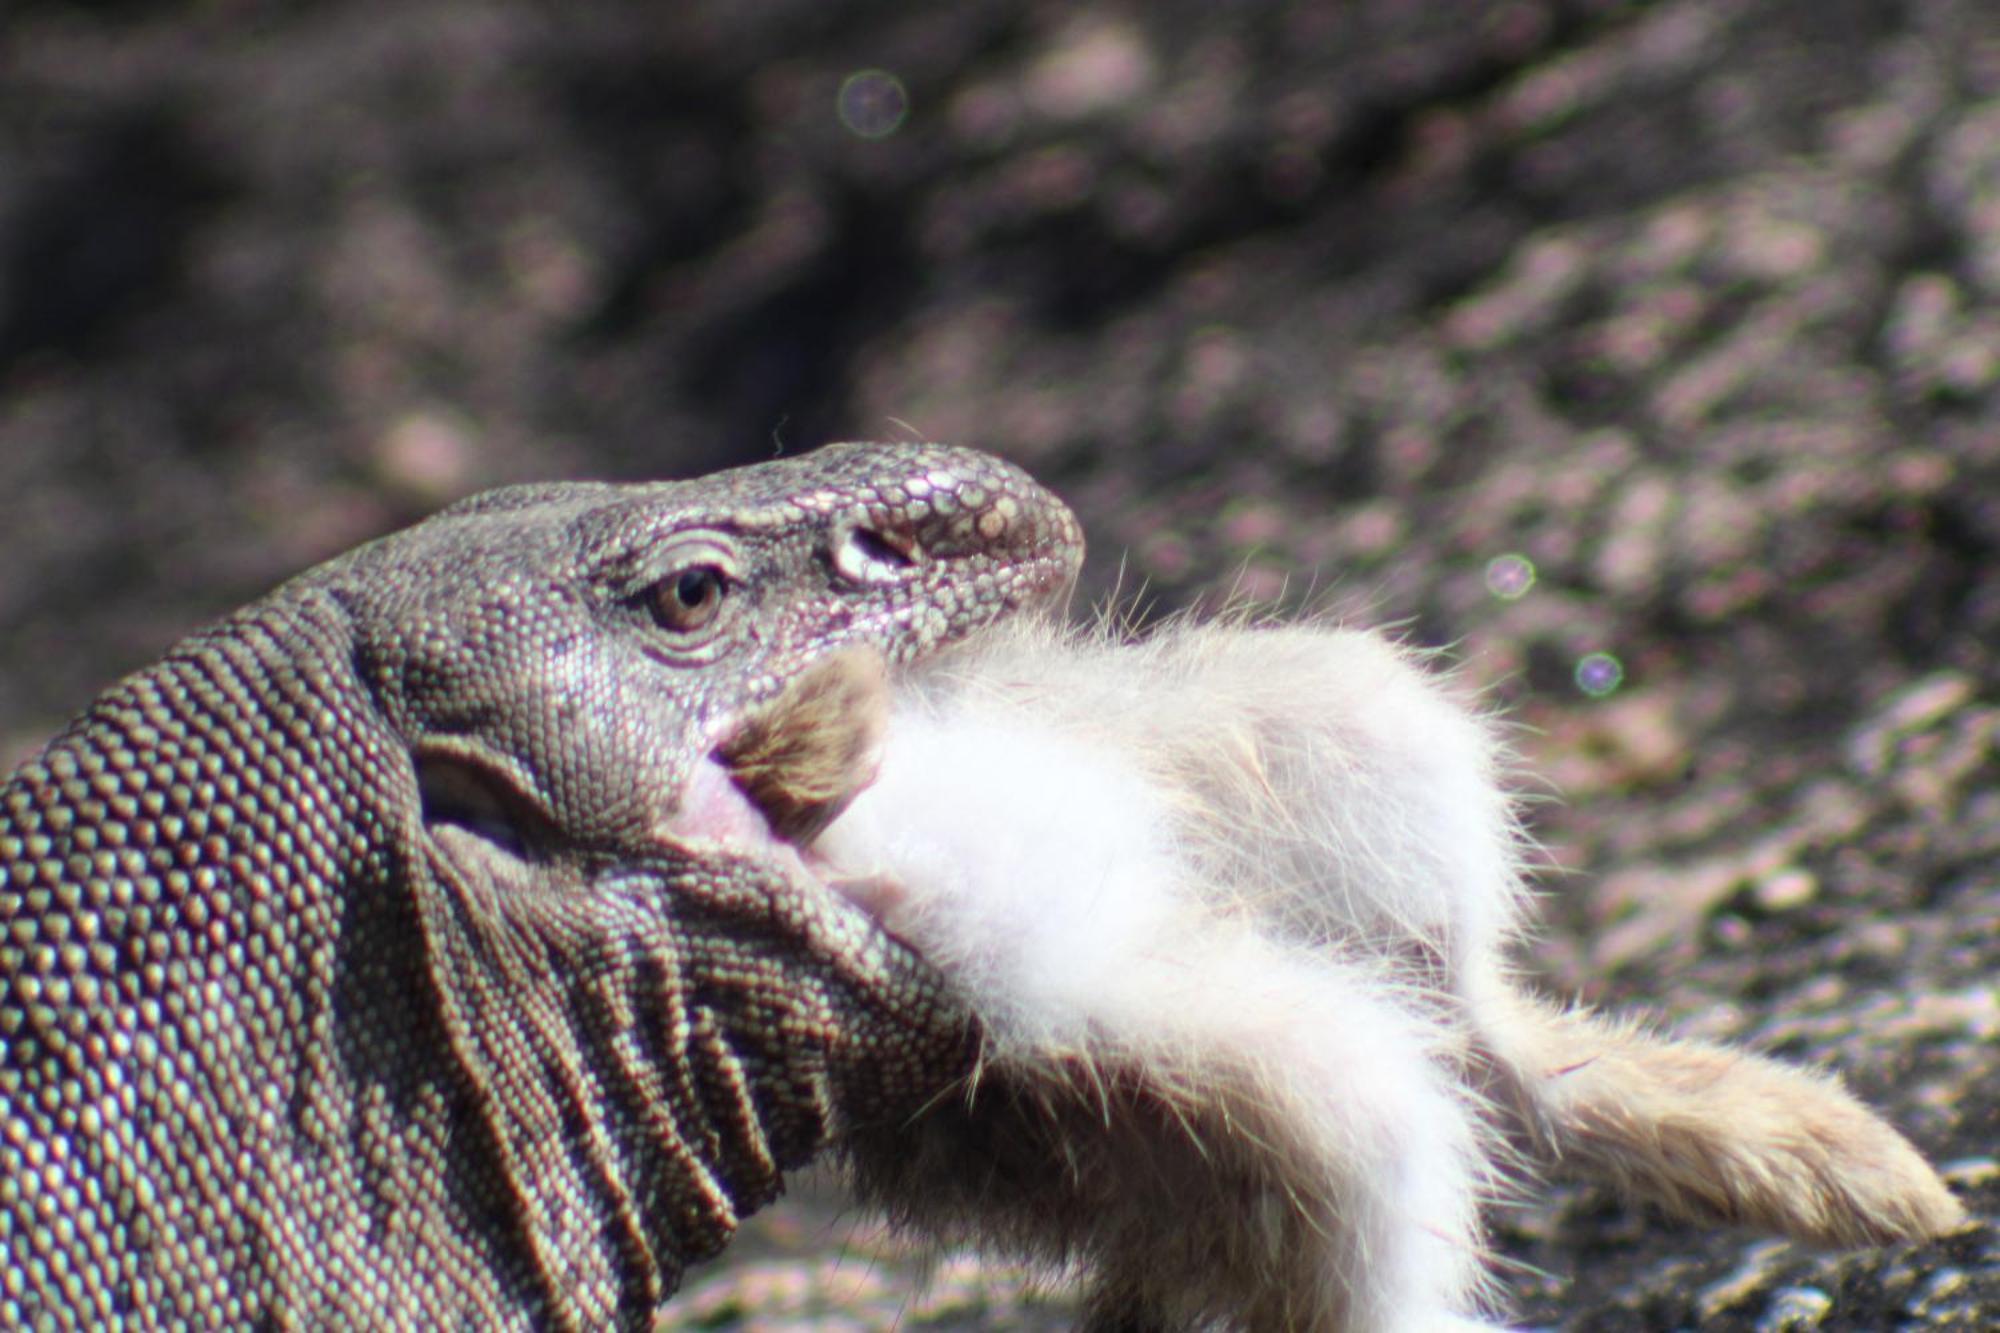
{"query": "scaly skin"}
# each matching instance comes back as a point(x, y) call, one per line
point(397, 949)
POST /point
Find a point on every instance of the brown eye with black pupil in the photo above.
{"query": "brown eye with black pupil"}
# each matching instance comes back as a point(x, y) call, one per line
point(688, 601)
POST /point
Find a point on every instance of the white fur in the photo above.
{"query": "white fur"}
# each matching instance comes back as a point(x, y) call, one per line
point(1046, 855)
point(1035, 865)
point(1231, 905)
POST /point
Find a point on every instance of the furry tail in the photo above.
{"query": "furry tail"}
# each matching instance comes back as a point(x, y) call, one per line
point(1713, 1135)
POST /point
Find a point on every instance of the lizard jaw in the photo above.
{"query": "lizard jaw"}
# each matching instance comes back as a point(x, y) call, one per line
point(716, 812)
point(784, 772)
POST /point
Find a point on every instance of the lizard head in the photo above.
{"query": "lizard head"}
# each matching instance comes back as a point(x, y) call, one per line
point(472, 859)
point(626, 711)
point(570, 663)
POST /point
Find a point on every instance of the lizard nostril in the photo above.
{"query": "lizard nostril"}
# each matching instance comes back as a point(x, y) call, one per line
point(874, 555)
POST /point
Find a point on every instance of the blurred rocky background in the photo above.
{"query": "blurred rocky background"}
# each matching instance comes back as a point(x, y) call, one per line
point(1644, 354)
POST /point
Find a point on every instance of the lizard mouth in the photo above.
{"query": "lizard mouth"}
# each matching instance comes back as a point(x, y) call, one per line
point(786, 771)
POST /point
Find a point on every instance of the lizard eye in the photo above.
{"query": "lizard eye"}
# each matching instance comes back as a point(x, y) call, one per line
point(689, 600)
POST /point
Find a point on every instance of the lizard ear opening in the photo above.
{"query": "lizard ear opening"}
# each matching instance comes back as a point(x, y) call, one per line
point(463, 796)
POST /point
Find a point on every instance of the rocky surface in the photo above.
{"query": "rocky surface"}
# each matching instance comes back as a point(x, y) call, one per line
point(1645, 353)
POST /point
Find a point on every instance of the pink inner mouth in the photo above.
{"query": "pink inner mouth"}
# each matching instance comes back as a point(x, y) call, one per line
point(714, 812)
point(713, 809)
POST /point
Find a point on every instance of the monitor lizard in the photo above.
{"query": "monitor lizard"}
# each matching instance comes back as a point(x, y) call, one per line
point(400, 945)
